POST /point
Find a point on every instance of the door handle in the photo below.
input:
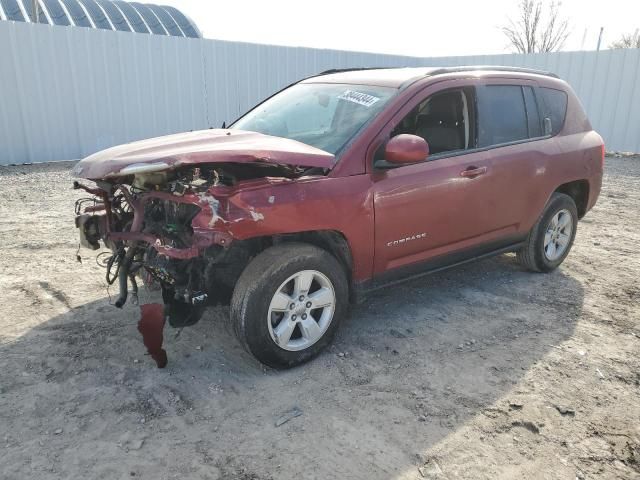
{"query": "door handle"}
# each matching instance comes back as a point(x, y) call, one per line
point(473, 172)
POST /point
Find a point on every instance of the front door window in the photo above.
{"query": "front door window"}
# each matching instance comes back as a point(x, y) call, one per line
point(445, 120)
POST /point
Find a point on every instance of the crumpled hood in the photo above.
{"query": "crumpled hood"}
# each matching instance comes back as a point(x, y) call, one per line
point(200, 147)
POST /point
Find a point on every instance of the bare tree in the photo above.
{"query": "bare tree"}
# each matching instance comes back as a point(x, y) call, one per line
point(538, 27)
point(631, 40)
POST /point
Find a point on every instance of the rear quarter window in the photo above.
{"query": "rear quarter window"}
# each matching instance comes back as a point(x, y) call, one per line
point(555, 102)
point(533, 113)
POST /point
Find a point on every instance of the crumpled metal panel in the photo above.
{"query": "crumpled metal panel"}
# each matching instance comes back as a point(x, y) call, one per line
point(200, 147)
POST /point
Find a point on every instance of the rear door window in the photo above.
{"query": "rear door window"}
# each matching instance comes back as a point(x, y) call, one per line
point(555, 107)
point(502, 115)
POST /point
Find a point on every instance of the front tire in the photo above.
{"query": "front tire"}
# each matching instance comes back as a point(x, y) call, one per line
point(551, 238)
point(288, 303)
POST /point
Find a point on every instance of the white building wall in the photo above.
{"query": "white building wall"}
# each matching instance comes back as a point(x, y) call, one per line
point(68, 92)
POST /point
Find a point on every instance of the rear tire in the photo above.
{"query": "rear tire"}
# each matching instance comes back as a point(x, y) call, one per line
point(551, 238)
point(288, 303)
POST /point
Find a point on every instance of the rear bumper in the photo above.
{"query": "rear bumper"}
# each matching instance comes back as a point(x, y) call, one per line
point(595, 186)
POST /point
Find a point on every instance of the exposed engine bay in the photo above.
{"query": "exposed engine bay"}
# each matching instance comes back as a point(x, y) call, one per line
point(167, 229)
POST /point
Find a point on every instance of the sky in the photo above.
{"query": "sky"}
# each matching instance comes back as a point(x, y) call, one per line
point(416, 28)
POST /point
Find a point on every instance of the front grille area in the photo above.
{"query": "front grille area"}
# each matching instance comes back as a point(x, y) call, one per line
point(170, 221)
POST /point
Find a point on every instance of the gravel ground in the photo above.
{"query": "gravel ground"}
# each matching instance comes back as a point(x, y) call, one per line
point(485, 371)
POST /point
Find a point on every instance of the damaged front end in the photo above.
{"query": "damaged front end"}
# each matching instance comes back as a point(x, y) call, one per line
point(171, 210)
point(171, 229)
point(160, 231)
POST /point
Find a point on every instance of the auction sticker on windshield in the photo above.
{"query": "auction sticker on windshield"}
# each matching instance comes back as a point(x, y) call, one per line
point(358, 97)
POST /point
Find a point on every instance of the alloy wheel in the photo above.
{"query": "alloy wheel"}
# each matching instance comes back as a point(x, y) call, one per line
point(558, 235)
point(301, 310)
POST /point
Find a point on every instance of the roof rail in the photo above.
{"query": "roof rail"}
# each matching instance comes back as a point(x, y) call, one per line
point(472, 68)
point(355, 69)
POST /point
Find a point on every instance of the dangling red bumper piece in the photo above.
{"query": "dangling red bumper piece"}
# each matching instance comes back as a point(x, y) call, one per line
point(151, 325)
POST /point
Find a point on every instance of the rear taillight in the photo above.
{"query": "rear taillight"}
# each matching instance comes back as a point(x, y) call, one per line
point(602, 157)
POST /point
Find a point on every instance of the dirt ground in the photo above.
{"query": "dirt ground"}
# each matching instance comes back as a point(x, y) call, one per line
point(485, 371)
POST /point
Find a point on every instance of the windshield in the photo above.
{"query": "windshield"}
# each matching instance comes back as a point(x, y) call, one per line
point(325, 116)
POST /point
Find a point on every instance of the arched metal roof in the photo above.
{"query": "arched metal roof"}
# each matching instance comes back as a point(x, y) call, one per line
point(76, 13)
point(56, 13)
point(167, 21)
point(115, 16)
point(104, 14)
point(133, 17)
point(98, 16)
point(13, 10)
point(150, 19)
point(187, 26)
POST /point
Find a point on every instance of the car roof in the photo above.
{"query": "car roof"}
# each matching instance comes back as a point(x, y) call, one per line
point(400, 77)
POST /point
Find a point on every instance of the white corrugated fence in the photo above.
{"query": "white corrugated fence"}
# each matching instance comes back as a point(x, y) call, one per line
point(68, 92)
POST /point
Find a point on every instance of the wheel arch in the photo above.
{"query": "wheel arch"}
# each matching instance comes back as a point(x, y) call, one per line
point(332, 241)
point(578, 190)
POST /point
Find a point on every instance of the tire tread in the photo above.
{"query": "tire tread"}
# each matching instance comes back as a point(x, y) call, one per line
point(257, 276)
point(529, 255)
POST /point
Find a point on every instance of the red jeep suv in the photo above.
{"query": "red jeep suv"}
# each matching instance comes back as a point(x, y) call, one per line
point(339, 184)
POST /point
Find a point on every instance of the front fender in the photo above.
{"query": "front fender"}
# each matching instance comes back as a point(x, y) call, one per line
point(267, 207)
